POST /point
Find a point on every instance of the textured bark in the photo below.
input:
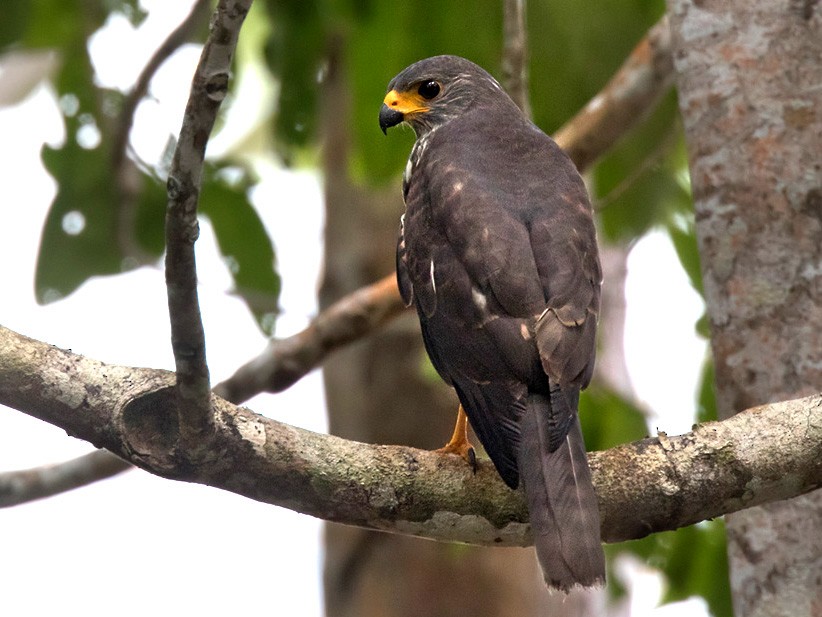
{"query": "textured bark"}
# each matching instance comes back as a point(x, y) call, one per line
point(209, 87)
point(748, 77)
point(765, 454)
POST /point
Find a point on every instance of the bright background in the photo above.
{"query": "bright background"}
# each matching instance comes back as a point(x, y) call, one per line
point(137, 544)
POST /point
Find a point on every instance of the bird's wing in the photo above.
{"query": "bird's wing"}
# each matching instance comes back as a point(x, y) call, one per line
point(404, 283)
point(523, 230)
point(563, 242)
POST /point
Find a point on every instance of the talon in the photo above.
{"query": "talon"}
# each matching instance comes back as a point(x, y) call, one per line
point(459, 443)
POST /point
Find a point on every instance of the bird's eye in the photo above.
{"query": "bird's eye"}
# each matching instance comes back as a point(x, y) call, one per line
point(429, 89)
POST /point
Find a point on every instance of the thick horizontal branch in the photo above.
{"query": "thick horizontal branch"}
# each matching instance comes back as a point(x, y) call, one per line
point(765, 454)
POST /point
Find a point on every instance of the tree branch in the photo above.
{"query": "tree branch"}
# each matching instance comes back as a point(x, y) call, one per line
point(768, 453)
point(283, 363)
point(632, 92)
point(208, 89)
point(124, 170)
point(173, 41)
point(20, 486)
point(515, 53)
point(286, 361)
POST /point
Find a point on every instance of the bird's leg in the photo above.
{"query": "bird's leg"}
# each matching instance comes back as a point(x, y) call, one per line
point(459, 443)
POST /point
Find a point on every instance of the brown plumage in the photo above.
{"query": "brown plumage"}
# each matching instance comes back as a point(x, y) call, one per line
point(498, 254)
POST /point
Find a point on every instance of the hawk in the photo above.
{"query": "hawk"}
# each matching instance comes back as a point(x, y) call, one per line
point(497, 251)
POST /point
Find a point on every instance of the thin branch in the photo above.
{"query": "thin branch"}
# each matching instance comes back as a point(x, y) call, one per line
point(208, 89)
point(286, 361)
point(765, 454)
point(515, 53)
point(178, 37)
point(24, 485)
point(124, 170)
point(631, 93)
point(21, 486)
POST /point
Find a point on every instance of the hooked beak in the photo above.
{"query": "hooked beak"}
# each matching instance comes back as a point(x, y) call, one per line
point(389, 117)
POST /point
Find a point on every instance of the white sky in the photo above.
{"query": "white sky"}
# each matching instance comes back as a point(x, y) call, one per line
point(136, 541)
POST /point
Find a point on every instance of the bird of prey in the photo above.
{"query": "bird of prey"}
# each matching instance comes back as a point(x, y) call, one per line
point(497, 251)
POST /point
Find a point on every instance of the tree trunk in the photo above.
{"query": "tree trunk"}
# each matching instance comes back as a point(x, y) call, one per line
point(749, 78)
point(378, 391)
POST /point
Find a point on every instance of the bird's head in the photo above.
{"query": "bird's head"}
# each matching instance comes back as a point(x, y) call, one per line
point(433, 91)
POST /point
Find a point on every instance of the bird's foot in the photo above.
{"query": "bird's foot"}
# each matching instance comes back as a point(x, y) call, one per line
point(459, 443)
point(465, 450)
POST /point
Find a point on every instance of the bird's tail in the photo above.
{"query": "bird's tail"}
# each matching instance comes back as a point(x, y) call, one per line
point(561, 501)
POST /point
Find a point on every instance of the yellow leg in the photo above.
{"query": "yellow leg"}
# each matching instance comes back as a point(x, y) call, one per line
point(459, 443)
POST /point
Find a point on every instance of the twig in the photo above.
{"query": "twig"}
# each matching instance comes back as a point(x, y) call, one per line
point(765, 454)
point(208, 89)
point(178, 37)
point(124, 171)
point(285, 361)
point(21, 486)
point(515, 53)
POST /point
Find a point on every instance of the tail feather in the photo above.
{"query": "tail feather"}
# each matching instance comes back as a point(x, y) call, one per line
point(561, 500)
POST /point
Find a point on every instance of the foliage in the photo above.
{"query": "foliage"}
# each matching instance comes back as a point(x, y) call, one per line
point(97, 226)
point(623, 422)
point(693, 560)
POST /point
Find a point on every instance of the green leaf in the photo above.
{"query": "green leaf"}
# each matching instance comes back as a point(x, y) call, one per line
point(57, 23)
point(697, 564)
point(682, 232)
point(608, 419)
point(85, 225)
point(706, 396)
point(295, 52)
point(15, 16)
point(693, 560)
point(636, 185)
point(575, 48)
point(244, 243)
point(77, 240)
